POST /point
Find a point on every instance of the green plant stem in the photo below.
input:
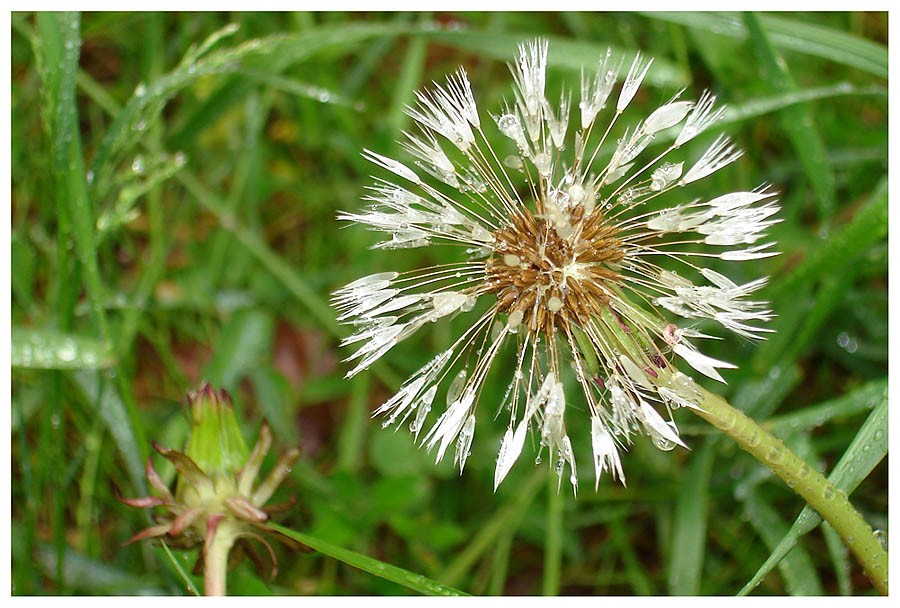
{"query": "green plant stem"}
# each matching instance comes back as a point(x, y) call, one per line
point(215, 563)
point(831, 503)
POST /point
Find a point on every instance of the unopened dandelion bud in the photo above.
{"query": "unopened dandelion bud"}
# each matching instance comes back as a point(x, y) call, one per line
point(215, 502)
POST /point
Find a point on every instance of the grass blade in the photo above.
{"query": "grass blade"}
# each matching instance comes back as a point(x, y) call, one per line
point(830, 44)
point(148, 101)
point(868, 448)
point(510, 515)
point(69, 165)
point(840, 557)
point(188, 583)
point(565, 53)
point(553, 539)
point(689, 535)
point(410, 77)
point(410, 580)
point(864, 398)
point(868, 227)
point(800, 575)
point(755, 108)
point(273, 55)
point(111, 409)
point(793, 35)
point(49, 349)
point(797, 120)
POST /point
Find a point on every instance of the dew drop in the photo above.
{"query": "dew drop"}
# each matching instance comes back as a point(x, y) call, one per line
point(456, 387)
point(66, 351)
point(662, 443)
point(775, 455)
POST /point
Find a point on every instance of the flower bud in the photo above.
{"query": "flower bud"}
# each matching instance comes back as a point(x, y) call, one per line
point(217, 501)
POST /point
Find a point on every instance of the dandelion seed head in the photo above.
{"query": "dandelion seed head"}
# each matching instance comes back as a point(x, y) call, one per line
point(564, 242)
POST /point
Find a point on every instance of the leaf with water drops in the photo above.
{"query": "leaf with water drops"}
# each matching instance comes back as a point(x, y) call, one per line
point(49, 349)
point(866, 450)
point(148, 100)
point(143, 175)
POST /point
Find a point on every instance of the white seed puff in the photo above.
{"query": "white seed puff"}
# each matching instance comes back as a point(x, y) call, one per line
point(561, 247)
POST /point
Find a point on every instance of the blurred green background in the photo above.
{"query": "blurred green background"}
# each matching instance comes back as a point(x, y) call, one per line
point(173, 212)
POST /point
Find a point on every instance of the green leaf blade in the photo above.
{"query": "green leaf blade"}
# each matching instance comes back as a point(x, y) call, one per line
point(49, 349)
point(410, 580)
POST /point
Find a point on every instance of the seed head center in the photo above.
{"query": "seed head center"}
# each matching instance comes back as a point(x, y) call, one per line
point(543, 280)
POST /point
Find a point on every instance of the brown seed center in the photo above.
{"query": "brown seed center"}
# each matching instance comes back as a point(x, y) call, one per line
point(551, 280)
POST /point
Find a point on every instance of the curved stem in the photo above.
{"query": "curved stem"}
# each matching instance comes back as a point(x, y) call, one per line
point(832, 504)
